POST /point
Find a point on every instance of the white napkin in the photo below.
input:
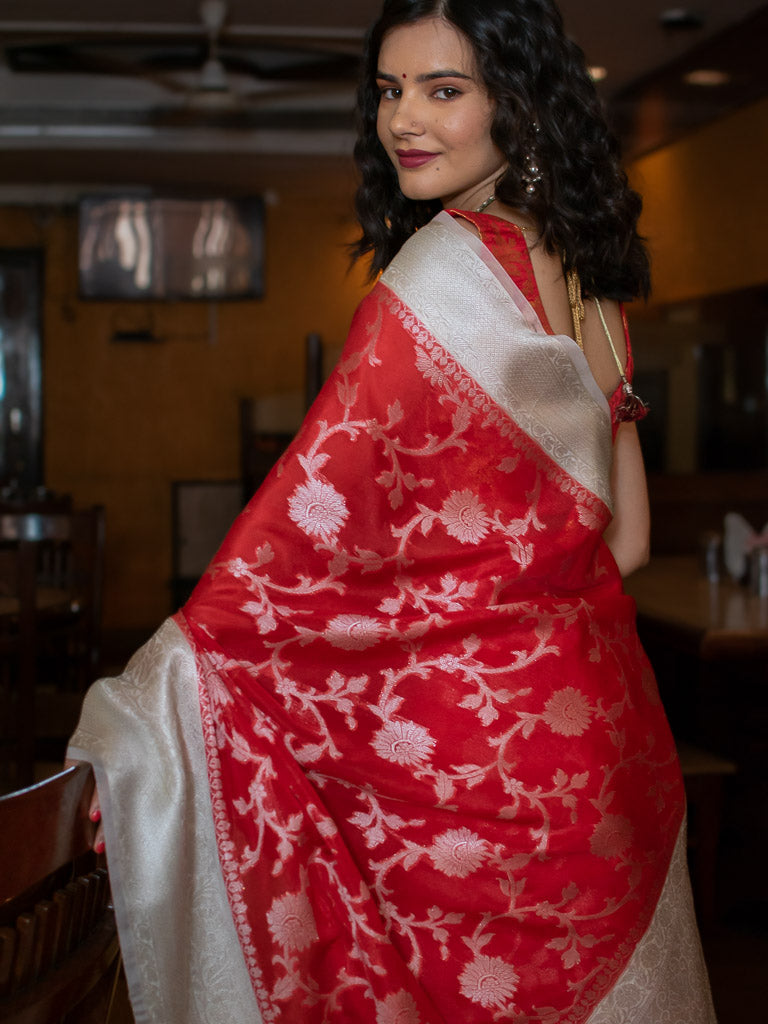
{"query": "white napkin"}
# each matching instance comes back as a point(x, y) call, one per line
point(738, 541)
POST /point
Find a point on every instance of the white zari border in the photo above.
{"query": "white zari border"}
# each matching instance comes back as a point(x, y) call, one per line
point(142, 734)
point(463, 296)
point(665, 981)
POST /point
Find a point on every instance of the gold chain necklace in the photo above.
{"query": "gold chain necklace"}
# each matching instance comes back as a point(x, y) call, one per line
point(491, 199)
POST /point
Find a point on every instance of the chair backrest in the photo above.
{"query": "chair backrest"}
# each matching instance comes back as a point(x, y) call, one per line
point(83, 574)
point(52, 583)
point(69, 549)
point(58, 942)
point(21, 535)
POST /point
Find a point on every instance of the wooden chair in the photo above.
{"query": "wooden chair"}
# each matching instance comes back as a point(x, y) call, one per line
point(703, 774)
point(269, 424)
point(59, 954)
point(50, 617)
point(77, 566)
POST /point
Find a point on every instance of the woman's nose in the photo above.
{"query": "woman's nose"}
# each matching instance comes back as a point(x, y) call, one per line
point(406, 118)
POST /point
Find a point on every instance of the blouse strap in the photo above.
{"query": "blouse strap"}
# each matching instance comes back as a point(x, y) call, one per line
point(632, 407)
point(610, 340)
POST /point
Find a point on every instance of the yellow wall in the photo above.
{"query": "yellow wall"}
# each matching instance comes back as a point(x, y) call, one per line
point(123, 420)
point(706, 208)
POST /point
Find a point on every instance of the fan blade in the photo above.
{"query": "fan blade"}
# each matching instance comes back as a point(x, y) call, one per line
point(302, 95)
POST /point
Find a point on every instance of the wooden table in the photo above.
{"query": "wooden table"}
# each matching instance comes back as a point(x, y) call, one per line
point(712, 620)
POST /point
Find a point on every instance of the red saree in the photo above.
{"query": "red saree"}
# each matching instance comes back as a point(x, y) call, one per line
point(442, 783)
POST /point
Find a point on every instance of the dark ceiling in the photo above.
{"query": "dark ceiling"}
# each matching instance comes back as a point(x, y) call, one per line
point(86, 86)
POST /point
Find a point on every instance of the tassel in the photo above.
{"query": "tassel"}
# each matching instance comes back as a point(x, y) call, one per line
point(576, 303)
point(631, 407)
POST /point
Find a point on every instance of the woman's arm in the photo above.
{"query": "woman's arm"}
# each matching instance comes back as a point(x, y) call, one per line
point(628, 533)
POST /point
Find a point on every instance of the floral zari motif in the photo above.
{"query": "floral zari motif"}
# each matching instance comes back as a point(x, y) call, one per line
point(443, 785)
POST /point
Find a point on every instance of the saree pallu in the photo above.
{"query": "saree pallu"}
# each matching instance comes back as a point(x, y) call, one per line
point(406, 708)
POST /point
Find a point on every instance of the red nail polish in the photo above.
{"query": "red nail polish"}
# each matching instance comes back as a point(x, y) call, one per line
point(95, 815)
point(99, 847)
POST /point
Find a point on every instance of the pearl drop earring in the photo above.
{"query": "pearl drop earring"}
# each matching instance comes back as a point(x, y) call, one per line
point(531, 171)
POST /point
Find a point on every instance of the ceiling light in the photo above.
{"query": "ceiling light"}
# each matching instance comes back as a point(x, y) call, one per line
point(597, 73)
point(707, 77)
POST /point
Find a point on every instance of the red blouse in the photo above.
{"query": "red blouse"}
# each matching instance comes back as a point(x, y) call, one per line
point(507, 243)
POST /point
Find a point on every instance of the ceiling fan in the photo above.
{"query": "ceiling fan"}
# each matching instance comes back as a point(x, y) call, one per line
point(210, 74)
point(213, 79)
point(232, 82)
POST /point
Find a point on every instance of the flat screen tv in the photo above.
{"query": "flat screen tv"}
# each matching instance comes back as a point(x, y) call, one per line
point(132, 247)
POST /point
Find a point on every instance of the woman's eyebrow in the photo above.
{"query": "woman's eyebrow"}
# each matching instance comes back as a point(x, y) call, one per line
point(448, 73)
point(428, 76)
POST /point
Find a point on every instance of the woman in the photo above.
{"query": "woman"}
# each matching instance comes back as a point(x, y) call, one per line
point(406, 710)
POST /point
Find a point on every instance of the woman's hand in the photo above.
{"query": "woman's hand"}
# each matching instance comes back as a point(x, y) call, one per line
point(94, 811)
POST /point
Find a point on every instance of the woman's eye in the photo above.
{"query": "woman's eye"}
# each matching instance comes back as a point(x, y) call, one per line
point(447, 92)
point(390, 93)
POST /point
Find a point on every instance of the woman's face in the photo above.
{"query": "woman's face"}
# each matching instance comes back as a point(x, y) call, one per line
point(435, 115)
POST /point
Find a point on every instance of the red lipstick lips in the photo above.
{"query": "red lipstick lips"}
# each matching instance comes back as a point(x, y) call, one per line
point(413, 157)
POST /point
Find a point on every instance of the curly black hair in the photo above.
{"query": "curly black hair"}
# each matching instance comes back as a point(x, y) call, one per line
point(537, 77)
